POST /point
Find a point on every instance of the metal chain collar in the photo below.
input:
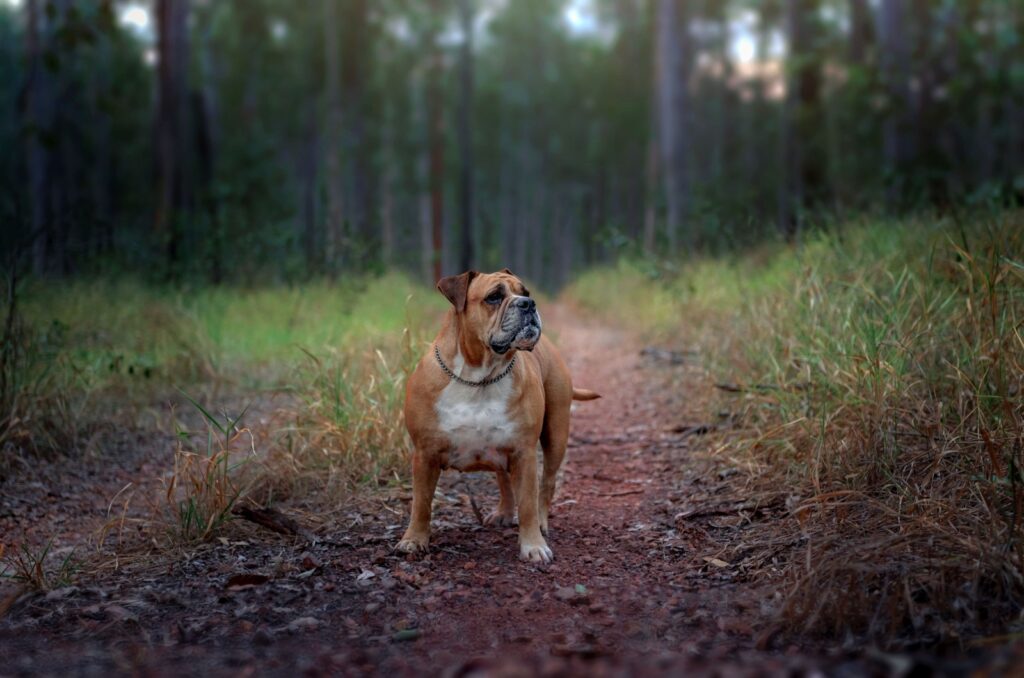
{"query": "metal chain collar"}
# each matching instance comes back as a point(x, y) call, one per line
point(465, 382)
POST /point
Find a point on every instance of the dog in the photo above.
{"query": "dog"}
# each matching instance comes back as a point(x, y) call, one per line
point(488, 390)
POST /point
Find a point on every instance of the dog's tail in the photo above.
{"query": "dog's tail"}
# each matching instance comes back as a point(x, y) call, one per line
point(584, 394)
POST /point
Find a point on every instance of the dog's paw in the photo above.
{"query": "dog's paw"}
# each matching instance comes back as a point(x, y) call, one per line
point(412, 544)
point(500, 519)
point(539, 552)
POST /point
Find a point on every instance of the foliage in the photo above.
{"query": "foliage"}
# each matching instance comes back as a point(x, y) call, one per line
point(564, 146)
point(879, 368)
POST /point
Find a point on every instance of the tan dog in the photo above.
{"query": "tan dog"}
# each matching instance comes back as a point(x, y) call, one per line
point(486, 392)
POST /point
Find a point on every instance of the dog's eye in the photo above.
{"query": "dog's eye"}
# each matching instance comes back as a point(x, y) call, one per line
point(494, 297)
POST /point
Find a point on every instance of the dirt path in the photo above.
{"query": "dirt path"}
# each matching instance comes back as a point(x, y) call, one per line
point(636, 586)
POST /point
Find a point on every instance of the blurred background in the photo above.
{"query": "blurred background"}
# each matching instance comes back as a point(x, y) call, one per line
point(255, 141)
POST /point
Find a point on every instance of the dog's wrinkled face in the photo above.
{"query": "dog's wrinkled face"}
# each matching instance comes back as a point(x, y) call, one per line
point(497, 306)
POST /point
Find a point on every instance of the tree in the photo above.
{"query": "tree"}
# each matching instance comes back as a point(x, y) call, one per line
point(802, 154)
point(435, 108)
point(334, 238)
point(672, 28)
point(466, 135)
point(172, 125)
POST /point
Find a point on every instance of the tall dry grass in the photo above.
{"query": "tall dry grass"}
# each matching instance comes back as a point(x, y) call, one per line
point(880, 369)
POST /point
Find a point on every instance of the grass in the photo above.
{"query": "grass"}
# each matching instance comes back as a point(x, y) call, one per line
point(30, 567)
point(324, 366)
point(880, 373)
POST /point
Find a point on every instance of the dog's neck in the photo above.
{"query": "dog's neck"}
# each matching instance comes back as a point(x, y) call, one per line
point(465, 354)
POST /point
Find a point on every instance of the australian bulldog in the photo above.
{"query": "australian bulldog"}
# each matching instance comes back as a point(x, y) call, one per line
point(486, 392)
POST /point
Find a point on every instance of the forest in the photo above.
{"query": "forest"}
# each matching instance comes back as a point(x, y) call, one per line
point(217, 141)
point(782, 240)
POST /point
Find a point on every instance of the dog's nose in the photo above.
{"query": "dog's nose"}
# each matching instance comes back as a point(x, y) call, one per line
point(526, 303)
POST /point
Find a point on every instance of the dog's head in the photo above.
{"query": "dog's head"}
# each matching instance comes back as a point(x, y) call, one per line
point(494, 307)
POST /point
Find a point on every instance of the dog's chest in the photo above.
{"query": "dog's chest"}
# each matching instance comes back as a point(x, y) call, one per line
point(476, 421)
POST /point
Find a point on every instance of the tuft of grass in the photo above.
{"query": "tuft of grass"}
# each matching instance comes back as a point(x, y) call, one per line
point(346, 429)
point(204, 486)
point(31, 569)
point(880, 374)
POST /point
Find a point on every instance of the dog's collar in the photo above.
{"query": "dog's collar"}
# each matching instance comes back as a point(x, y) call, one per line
point(466, 382)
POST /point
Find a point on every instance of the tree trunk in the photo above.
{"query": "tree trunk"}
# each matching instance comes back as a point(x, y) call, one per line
point(674, 109)
point(37, 120)
point(435, 106)
point(802, 174)
point(466, 136)
point(334, 240)
point(172, 125)
point(895, 74)
point(860, 31)
point(354, 68)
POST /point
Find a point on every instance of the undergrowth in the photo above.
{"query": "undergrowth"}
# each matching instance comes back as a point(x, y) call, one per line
point(879, 373)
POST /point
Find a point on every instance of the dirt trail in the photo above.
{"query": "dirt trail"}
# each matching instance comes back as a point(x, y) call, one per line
point(636, 586)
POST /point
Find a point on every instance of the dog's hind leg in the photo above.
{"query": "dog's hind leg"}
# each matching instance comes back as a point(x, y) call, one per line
point(553, 439)
point(505, 514)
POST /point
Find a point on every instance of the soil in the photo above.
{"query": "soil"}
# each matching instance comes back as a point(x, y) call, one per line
point(653, 573)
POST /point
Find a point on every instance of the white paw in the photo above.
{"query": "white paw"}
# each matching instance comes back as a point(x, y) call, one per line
point(539, 552)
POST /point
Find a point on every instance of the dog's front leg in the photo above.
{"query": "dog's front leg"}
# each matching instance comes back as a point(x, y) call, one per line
point(524, 478)
point(425, 471)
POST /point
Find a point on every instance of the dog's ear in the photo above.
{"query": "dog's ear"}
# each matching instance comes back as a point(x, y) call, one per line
point(456, 287)
point(505, 270)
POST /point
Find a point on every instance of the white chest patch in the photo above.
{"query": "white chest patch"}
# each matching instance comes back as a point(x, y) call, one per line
point(476, 421)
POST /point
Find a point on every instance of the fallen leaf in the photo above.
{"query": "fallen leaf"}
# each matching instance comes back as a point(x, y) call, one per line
point(717, 562)
point(247, 580)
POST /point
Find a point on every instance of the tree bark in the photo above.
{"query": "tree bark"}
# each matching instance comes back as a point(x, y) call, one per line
point(355, 65)
point(435, 106)
point(802, 174)
point(896, 147)
point(334, 240)
point(860, 31)
point(674, 109)
point(466, 136)
point(36, 122)
point(172, 125)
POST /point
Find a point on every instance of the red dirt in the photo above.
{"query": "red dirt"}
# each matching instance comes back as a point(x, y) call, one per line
point(641, 583)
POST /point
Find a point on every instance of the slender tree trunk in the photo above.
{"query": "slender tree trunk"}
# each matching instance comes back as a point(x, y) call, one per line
point(421, 123)
point(37, 114)
point(895, 74)
point(466, 136)
point(172, 125)
point(435, 106)
point(802, 175)
point(387, 205)
point(674, 109)
point(334, 240)
point(355, 64)
point(860, 31)
point(651, 161)
point(309, 176)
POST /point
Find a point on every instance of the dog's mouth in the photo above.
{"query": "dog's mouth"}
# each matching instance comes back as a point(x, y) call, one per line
point(521, 334)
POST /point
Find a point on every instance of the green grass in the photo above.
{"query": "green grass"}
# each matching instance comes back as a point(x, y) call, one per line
point(325, 366)
point(125, 328)
point(881, 372)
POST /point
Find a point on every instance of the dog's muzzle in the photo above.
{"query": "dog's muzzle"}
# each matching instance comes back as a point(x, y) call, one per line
point(520, 326)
